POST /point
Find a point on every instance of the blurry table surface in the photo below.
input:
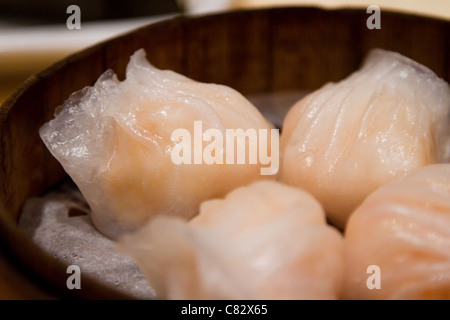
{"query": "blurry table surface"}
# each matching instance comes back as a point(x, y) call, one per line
point(27, 50)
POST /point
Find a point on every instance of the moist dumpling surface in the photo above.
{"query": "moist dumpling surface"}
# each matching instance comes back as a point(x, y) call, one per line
point(346, 139)
point(404, 229)
point(114, 140)
point(262, 241)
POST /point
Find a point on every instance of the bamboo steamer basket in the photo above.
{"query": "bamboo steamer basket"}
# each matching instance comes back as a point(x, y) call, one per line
point(254, 51)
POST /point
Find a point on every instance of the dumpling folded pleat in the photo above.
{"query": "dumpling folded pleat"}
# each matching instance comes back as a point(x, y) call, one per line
point(262, 241)
point(346, 139)
point(403, 228)
point(115, 141)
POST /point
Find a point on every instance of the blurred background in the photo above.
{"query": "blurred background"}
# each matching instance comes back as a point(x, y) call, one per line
point(34, 35)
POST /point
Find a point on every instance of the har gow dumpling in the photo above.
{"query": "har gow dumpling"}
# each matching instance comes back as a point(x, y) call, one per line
point(403, 228)
point(346, 139)
point(262, 241)
point(115, 140)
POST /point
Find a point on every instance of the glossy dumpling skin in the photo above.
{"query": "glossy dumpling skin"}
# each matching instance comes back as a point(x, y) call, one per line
point(114, 140)
point(262, 241)
point(404, 228)
point(346, 139)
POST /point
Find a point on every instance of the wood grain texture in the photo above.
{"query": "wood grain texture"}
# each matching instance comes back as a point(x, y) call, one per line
point(259, 51)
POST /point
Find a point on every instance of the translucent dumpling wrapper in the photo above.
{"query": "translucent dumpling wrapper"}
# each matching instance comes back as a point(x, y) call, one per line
point(115, 141)
point(262, 241)
point(402, 232)
point(348, 138)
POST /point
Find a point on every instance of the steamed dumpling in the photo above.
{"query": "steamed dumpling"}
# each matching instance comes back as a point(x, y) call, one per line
point(115, 140)
point(346, 139)
point(404, 229)
point(263, 241)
